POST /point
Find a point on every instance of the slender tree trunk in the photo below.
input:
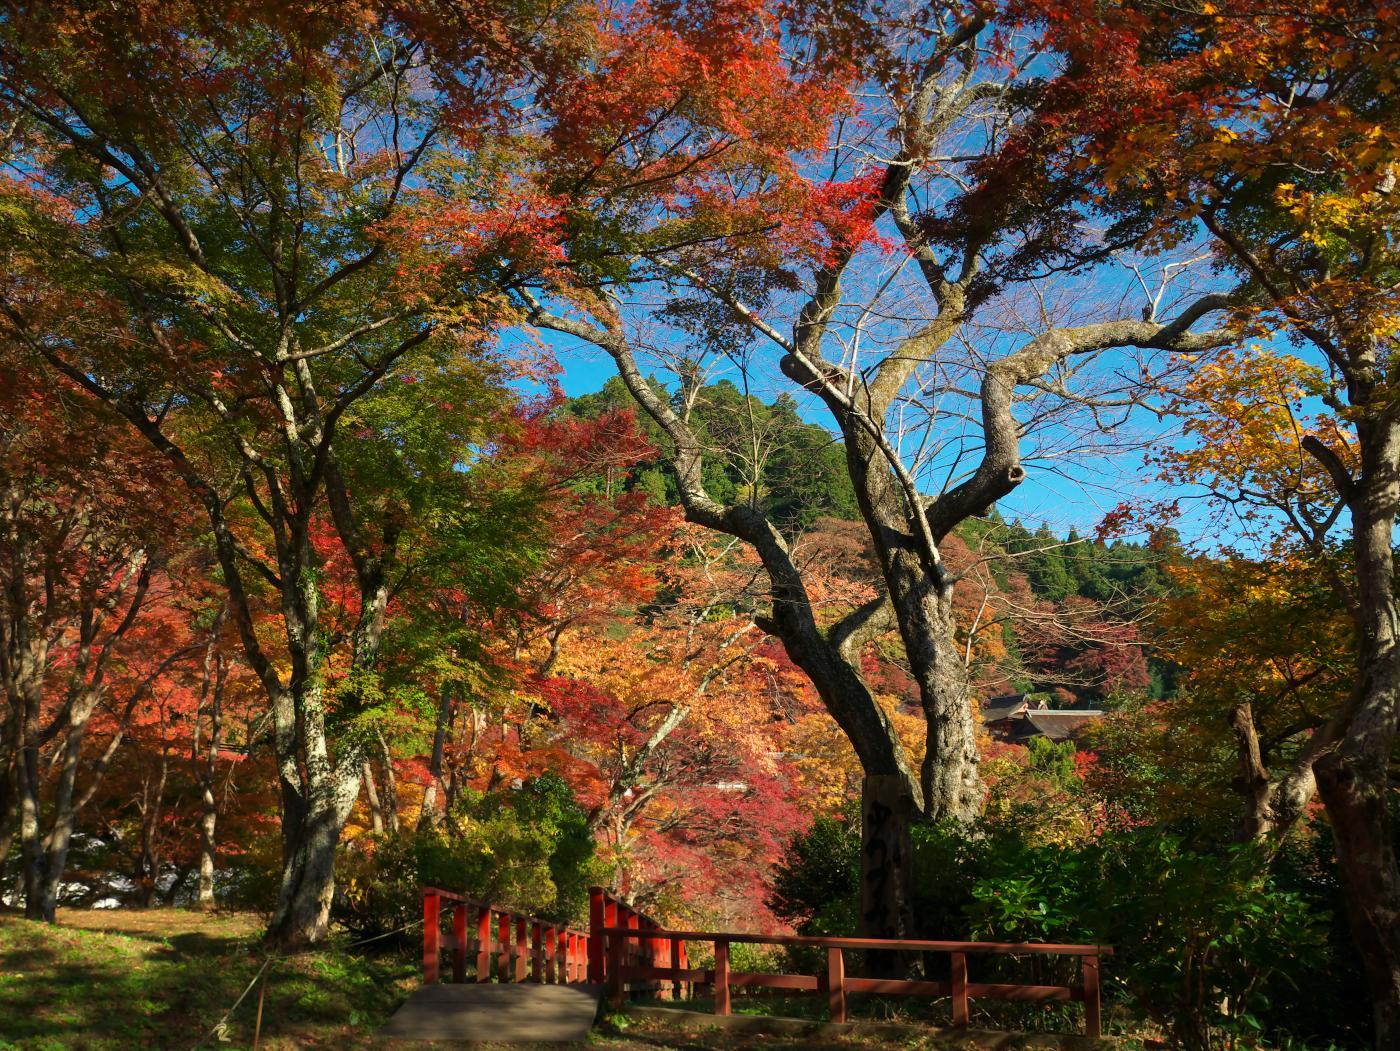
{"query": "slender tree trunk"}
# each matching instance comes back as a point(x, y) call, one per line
point(153, 806)
point(391, 788)
point(206, 767)
point(208, 826)
point(376, 811)
point(429, 816)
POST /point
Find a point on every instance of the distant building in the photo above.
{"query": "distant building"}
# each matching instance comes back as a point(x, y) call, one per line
point(1016, 718)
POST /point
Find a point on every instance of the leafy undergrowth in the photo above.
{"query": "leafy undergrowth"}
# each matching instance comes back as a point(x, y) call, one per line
point(998, 1015)
point(701, 1034)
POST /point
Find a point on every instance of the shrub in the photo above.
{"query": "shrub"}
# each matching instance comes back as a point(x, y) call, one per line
point(527, 849)
point(1213, 943)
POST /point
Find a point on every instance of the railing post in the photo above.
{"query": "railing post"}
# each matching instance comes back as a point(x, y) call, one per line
point(483, 944)
point(503, 940)
point(666, 958)
point(615, 986)
point(521, 964)
point(551, 938)
point(432, 903)
point(721, 977)
point(683, 988)
point(1093, 1019)
point(959, 990)
point(634, 923)
point(459, 942)
point(536, 951)
point(595, 934)
point(610, 920)
point(836, 983)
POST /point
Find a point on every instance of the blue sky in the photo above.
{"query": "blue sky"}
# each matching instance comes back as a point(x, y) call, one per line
point(1075, 496)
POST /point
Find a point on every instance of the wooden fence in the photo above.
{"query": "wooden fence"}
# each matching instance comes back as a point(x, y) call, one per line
point(629, 952)
point(623, 968)
point(509, 946)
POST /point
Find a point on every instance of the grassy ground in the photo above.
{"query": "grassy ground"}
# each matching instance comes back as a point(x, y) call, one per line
point(165, 978)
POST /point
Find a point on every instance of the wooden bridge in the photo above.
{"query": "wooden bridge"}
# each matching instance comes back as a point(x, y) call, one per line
point(540, 981)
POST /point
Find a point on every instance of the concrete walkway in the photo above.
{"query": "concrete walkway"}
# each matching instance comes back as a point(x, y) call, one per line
point(516, 1013)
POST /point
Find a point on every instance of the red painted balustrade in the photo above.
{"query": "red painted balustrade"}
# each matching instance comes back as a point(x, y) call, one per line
point(632, 954)
point(498, 943)
point(622, 970)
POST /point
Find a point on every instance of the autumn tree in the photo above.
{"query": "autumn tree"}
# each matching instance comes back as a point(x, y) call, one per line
point(1272, 129)
point(838, 259)
point(218, 231)
point(86, 531)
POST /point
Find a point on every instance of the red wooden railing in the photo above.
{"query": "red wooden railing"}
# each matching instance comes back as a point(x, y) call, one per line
point(514, 946)
point(833, 982)
point(630, 952)
point(647, 943)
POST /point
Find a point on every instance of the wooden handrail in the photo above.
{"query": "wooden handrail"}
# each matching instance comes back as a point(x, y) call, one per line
point(527, 948)
point(834, 983)
point(625, 948)
point(906, 944)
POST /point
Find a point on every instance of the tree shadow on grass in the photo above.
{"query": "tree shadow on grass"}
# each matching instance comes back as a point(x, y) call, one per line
point(64, 988)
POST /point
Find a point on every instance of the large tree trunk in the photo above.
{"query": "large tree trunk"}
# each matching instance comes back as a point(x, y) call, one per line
point(310, 836)
point(46, 854)
point(890, 793)
point(950, 781)
point(921, 595)
point(887, 810)
point(1353, 779)
point(1356, 805)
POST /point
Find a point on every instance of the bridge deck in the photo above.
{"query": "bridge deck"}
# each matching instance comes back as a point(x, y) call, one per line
point(510, 1013)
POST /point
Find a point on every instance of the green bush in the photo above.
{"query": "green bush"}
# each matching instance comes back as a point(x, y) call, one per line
point(527, 849)
point(1213, 943)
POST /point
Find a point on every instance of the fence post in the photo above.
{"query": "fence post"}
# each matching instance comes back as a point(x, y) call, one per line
point(836, 983)
point(615, 985)
point(431, 904)
point(459, 942)
point(595, 934)
point(551, 944)
point(683, 989)
point(483, 943)
point(521, 963)
point(666, 959)
point(634, 923)
point(721, 977)
point(1093, 1019)
point(536, 951)
point(959, 990)
point(503, 940)
point(610, 919)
